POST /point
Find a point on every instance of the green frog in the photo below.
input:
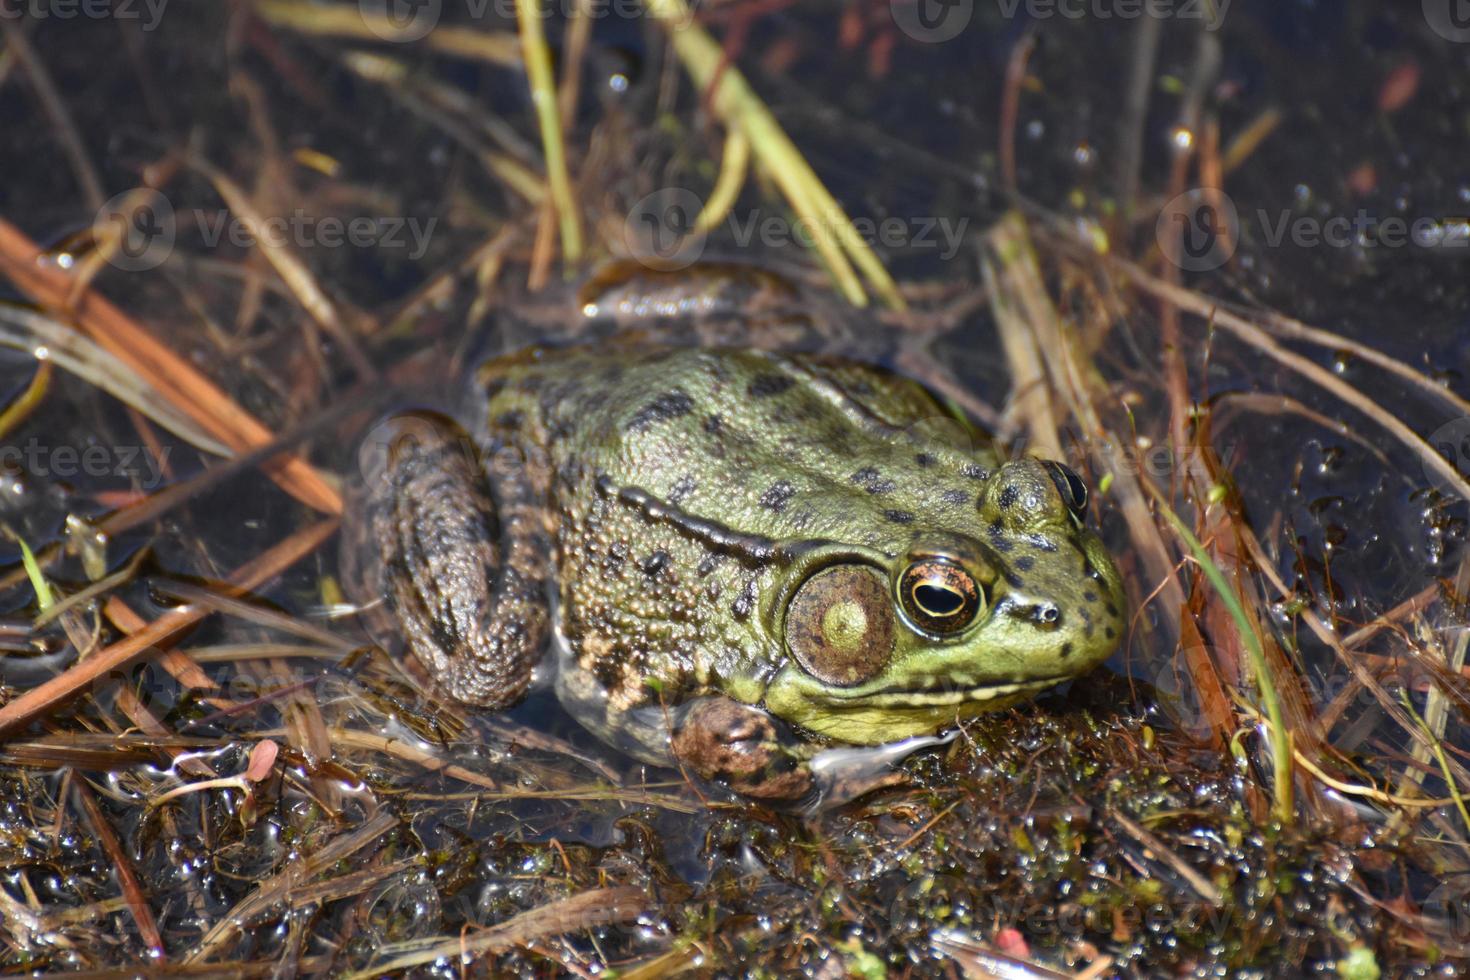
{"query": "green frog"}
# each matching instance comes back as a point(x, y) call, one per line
point(724, 556)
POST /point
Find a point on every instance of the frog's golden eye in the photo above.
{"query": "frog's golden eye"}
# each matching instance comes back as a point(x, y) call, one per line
point(839, 625)
point(1069, 485)
point(939, 596)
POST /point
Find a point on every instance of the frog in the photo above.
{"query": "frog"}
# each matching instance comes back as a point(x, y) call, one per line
point(727, 556)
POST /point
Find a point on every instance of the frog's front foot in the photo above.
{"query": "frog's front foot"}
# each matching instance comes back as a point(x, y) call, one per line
point(745, 749)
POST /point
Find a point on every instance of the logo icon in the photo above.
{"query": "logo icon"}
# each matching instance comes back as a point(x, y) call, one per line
point(145, 682)
point(400, 20)
point(1450, 19)
point(1452, 441)
point(138, 229)
point(932, 21)
point(1196, 228)
point(1178, 699)
point(660, 229)
point(1448, 909)
point(390, 437)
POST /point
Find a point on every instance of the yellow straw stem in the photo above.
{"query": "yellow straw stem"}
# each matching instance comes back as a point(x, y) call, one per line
point(543, 99)
point(733, 165)
point(742, 110)
point(1280, 737)
point(19, 410)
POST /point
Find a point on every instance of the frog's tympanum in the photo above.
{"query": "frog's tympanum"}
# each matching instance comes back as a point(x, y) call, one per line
point(729, 557)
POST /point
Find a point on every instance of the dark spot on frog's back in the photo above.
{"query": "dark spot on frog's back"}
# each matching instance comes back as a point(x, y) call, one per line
point(655, 564)
point(777, 495)
point(744, 603)
point(766, 385)
point(1008, 497)
point(955, 498)
point(872, 481)
point(681, 489)
point(975, 471)
point(898, 516)
point(925, 460)
point(670, 405)
point(713, 424)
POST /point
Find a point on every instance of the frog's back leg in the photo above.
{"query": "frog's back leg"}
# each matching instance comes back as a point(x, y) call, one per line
point(461, 562)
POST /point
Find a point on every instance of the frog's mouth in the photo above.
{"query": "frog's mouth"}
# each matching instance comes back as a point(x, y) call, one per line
point(953, 692)
point(874, 715)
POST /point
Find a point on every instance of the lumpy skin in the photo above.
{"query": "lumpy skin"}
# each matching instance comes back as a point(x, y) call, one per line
point(724, 541)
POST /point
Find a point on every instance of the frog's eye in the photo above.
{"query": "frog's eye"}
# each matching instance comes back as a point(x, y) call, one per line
point(1069, 485)
point(839, 625)
point(939, 596)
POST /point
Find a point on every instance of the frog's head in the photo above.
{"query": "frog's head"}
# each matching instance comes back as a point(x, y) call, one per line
point(881, 646)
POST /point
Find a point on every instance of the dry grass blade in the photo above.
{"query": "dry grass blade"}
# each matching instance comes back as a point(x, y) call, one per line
point(1243, 329)
point(78, 678)
point(982, 961)
point(360, 23)
point(1281, 754)
point(157, 504)
point(293, 272)
point(740, 108)
point(1011, 277)
point(27, 401)
point(451, 111)
point(1293, 329)
point(18, 46)
point(252, 612)
point(1353, 662)
point(1202, 885)
point(548, 117)
point(597, 906)
point(22, 261)
point(399, 749)
point(279, 887)
point(127, 876)
point(76, 353)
